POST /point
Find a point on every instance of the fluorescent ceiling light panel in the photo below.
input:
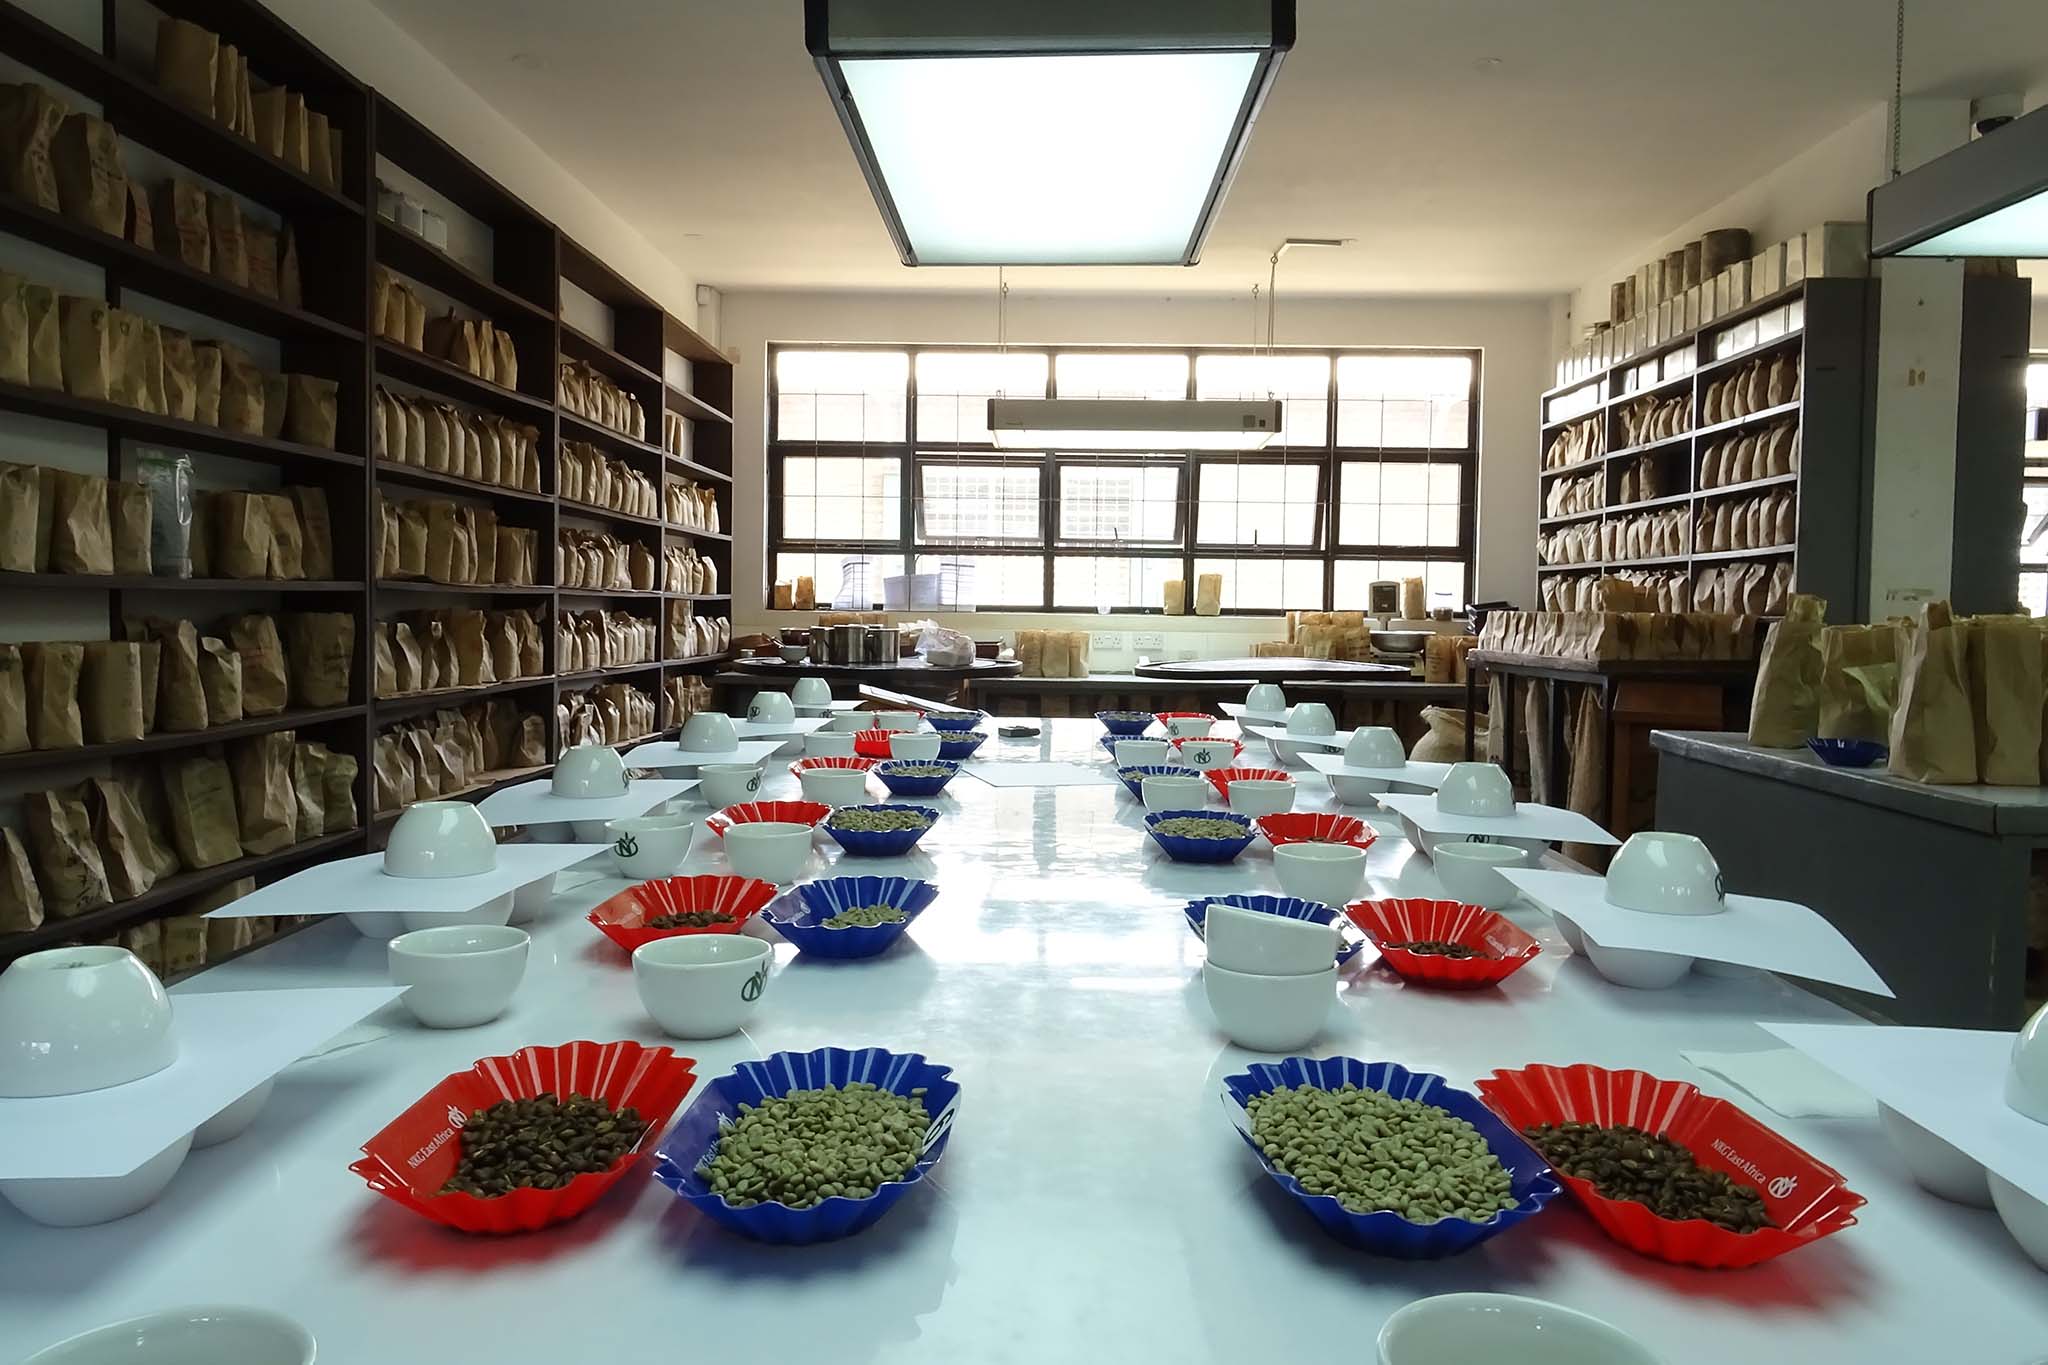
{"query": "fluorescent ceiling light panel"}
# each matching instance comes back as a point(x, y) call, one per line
point(1988, 197)
point(1132, 423)
point(1048, 132)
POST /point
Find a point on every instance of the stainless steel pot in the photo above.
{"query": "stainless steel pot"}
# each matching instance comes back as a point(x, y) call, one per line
point(842, 644)
point(880, 646)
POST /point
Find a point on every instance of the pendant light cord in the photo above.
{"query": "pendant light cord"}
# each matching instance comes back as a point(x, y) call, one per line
point(1898, 83)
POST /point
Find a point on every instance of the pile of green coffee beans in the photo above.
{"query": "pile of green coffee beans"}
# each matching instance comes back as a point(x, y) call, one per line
point(904, 767)
point(865, 917)
point(1437, 948)
point(880, 821)
point(540, 1144)
point(1200, 827)
point(1371, 1151)
point(1650, 1169)
point(1127, 715)
point(689, 919)
point(808, 1146)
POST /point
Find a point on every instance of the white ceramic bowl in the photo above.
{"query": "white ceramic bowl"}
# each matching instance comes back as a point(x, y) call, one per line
point(828, 743)
point(1375, 746)
point(1288, 752)
point(440, 839)
point(204, 1335)
point(78, 1019)
point(1266, 699)
point(728, 784)
point(650, 846)
point(492, 913)
point(1427, 842)
point(460, 976)
point(1140, 753)
point(590, 831)
point(1637, 968)
point(1503, 1329)
point(1573, 938)
point(1270, 1013)
point(774, 708)
point(1476, 789)
point(1164, 791)
point(1256, 796)
point(589, 771)
point(793, 654)
point(1470, 871)
point(834, 786)
point(2026, 1074)
point(708, 732)
point(701, 985)
point(918, 748)
point(529, 900)
point(1331, 874)
point(1204, 754)
point(97, 1199)
point(1936, 1165)
point(233, 1121)
point(850, 722)
point(2024, 1216)
point(1310, 718)
point(812, 691)
point(1188, 727)
point(1357, 791)
point(1251, 941)
point(897, 720)
point(1665, 874)
point(773, 850)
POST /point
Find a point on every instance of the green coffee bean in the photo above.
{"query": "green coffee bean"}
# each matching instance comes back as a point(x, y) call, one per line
point(817, 1144)
point(1200, 827)
point(906, 768)
point(878, 821)
point(865, 917)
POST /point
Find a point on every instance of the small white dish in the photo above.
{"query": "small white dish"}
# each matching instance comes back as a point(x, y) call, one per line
point(1310, 718)
point(1357, 791)
point(233, 1121)
point(1142, 753)
point(440, 839)
point(1426, 842)
point(1496, 1329)
point(650, 847)
point(701, 985)
point(850, 722)
point(728, 784)
point(493, 912)
point(1329, 874)
point(1205, 754)
point(1480, 789)
point(793, 654)
point(708, 732)
point(2026, 1076)
point(1661, 873)
point(1470, 871)
point(1189, 727)
point(85, 1201)
point(2024, 1216)
point(1936, 1165)
point(1291, 753)
point(917, 748)
point(1269, 1013)
point(1375, 746)
point(774, 708)
point(813, 692)
point(772, 850)
point(1637, 968)
point(1164, 791)
point(205, 1335)
point(529, 900)
point(79, 1019)
point(1265, 699)
point(1260, 944)
point(897, 720)
point(834, 786)
point(459, 976)
point(1256, 796)
point(587, 771)
point(828, 744)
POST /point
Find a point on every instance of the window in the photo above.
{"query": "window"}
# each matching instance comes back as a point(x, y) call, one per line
point(880, 458)
point(2034, 490)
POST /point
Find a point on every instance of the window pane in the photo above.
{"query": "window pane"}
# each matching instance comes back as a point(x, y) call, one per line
point(1302, 382)
point(846, 580)
point(1398, 503)
point(1102, 583)
point(991, 580)
point(1267, 584)
point(1443, 581)
point(1256, 504)
point(841, 497)
point(1122, 375)
point(969, 502)
point(953, 389)
point(1123, 503)
point(840, 395)
point(1419, 401)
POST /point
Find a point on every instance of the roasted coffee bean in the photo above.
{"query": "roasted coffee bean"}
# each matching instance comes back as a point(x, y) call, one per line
point(1649, 1169)
point(1435, 948)
point(540, 1143)
point(689, 919)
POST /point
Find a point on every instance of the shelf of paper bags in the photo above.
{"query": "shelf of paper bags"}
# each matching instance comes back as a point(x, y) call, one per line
point(390, 471)
point(668, 754)
point(690, 466)
point(1414, 774)
point(408, 253)
point(137, 425)
point(689, 405)
point(610, 592)
point(407, 703)
point(163, 740)
point(535, 802)
point(446, 380)
point(569, 507)
point(228, 1044)
point(471, 589)
point(359, 885)
point(471, 791)
point(108, 582)
point(696, 534)
point(1549, 824)
point(575, 428)
point(1774, 935)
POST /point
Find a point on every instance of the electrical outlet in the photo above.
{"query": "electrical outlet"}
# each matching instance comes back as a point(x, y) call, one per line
point(1146, 639)
point(1107, 639)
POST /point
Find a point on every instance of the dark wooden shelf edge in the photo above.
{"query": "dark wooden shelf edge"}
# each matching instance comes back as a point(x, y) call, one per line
point(85, 582)
point(601, 356)
point(1768, 414)
point(405, 251)
point(569, 507)
point(690, 466)
point(165, 741)
point(693, 408)
point(576, 427)
point(412, 703)
point(457, 385)
point(134, 424)
point(694, 660)
point(1723, 490)
point(474, 589)
point(1758, 552)
point(696, 534)
point(428, 478)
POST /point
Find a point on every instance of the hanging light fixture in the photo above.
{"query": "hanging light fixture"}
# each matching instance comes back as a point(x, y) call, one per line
point(1048, 132)
point(1988, 197)
point(1132, 423)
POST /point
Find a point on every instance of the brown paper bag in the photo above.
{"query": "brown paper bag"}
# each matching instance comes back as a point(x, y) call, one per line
point(266, 112)
point(259, 243)
point(321, 646)
point(130, 511)
point(110, 691)
point(88, 347)
point(309, 786)
point(126, 383)
point(52, 669)
point(128, 848)
point(1208, 594)
point(287, 558)
point(273, 405)
point(408, 668)
point(13, 700)
point(206, 382)
point(187, 229)
point(220, 678)
point(1785, 708)
point(412, 540)
point(21, 900)
point(255, 640)
point(319, 150)
point(531, 749)
point(186, 55)
point(1933, 736)
point(289, 290)
point(29, 119)
point(147, 359)
point(310, 408)
point(268, 810)
point(181, 385)
point(199, 795)
point(384, 664)
point(91, 186)
point(384, 775)
point(181, 695)
point(337, 795)
point(316, 528)
point(241, 392)
point(2004, 658)
point(224, 219)
point(151, 653)
point(81, 534)
point(227, 87)
point(20, 496)
point(243, 531)
point(473, 662)
point(69, 870)
point(45, 336)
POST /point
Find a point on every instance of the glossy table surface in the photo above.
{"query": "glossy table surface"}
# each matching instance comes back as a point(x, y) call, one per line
point(1094, 1204)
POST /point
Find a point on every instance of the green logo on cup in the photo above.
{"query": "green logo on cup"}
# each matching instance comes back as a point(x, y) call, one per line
point(627, 846)
point(755, 983)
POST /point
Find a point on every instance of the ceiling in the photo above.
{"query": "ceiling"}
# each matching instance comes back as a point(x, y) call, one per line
point(1603, 124)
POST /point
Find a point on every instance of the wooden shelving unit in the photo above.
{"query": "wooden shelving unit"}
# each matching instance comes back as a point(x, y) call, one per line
point(665, 363)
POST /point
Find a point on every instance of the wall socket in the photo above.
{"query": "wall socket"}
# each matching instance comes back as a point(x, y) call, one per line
point(1106, 639)
point(1144, 640)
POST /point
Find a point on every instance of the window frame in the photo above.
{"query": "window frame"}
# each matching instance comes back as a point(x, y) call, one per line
point(1328, 458)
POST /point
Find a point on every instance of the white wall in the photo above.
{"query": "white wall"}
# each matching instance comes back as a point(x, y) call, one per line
point(1514, 335)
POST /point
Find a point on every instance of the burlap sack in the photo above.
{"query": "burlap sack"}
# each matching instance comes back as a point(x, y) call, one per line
point(1933, 737)
point(241, 391)
point(87, 347)
point(224, 220)
point(220, 678)
point(2004, 659)
point(29, 119)
point(199, 794)
point(134, 859)
point(1785, 708)
point(310, 407)
point(13, 700)
point(255, 641)
point(181, 220)
point(20, 496)
point(268, 811)
point(21, 900)
point(181, 384)
point(129, 510)
point(287, 558)
point(181, 695)
point(110, 691)
point(274, 393)
point(81, 533)
point(45, 336)
point(242, 533)
point(69, 870)
point(52, 669)
point(92, 188)
point(321, 648)
point(186, 55)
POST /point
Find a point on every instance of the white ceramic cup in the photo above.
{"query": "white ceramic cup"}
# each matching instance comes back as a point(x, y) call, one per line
point(1270, 1013)
point(589, 770)
point(1187, 727)
point(1266, 699)
point(729, 784)
point(1493, 1329)
point(496, 910)
point(772, 850)
point(1374, 746)
point(1164, 791)
point(86, 1200)
point(1637, 968)
point(897, 720)
point(1140, 753)
point(834, 786)
point(1662, 873)
point(460, 976)
point(770, 707)
point(917, 748)
point(1205, 754)
point(650, 846)
point(812, 692)
point(1332, 874)
point(1481, 789)
point(2026, 1070)
point(1470, 871)
point(701, 985)
point(79, 1019)
point(201, 1335)
point(1256, 796)
point(440, 839)
point(1357, 791)
point(850, 722)
point(233, 1121)
point(1252, 941)
point(708, 732)
point(2024, 1216)
point(1310, 718)
point(828, 744)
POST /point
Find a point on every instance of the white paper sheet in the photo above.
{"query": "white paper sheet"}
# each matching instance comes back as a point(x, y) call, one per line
point(1277, 729)
point(1789, 1082)
point(535, 802)
point(1530, 821)
point(228, 1044)
point(1048, 774)
point(1429, 775)
point(666, 753)
point(778, 729)
point(1778, 936)
point(1949, 1081)
point(358, 886)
